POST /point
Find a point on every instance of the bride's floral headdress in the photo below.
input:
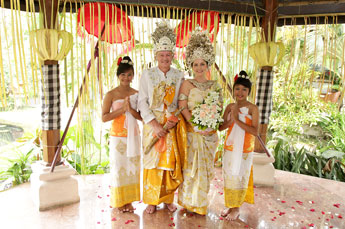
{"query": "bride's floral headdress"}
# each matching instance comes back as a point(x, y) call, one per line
point(164, 38)
point(199, 47)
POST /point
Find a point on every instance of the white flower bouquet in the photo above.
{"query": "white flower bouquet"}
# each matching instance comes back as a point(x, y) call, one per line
point(208, 113)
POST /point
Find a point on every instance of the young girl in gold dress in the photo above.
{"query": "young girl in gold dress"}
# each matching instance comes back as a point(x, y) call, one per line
point(242, 120)
point(120, 107)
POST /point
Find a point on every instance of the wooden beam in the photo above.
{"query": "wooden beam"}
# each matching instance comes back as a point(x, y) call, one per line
point(269, 21)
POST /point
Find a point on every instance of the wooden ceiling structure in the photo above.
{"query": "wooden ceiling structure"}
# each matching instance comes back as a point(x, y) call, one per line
point(316, 10)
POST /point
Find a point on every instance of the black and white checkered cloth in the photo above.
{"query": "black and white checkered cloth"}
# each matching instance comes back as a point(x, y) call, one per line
point(50, 98)
point(264, 89)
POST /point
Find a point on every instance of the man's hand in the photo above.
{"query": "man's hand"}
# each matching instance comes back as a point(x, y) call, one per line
point(158, 129)
point(170, 124)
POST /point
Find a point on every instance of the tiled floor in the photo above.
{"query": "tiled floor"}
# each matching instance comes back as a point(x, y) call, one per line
point(296, 201)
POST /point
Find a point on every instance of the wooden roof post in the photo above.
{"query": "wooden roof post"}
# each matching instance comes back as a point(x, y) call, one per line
point(268, 28)
point(50, 134)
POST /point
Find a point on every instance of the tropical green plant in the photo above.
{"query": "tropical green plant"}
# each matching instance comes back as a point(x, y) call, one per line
point(333, 125)
point(91, 163)
point(288, 158)
point(17, 166)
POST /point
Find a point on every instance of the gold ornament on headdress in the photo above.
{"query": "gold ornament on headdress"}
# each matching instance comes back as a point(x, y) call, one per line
point(199, 47)
point(164, 38)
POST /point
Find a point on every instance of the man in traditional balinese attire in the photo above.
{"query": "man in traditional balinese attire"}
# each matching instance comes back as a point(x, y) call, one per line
point(157, 102)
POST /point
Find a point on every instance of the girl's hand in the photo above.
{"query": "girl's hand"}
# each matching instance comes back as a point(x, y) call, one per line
point(234, 112)
point(126, 105)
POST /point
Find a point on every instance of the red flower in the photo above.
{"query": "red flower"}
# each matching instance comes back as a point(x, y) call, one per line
point(311, 225)
point(322, 212)
point(330, 226)
point(312, 202)
point(221, 218)
point(340, 217)
point(272, 219)
point(312, 210)
point(336, 205)
point(246, 226)
point(293, 207)
point(304, 227)
point(327, 219)
point(236, 77)
point(107, 195)
point(171, 218)
point(98, 222)
point(119, 61)
point(113, 219)
point(272, 211)
point(283, 201)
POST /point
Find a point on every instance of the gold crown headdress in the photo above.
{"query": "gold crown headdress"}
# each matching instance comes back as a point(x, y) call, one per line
point(164, 38)
point(199, 47)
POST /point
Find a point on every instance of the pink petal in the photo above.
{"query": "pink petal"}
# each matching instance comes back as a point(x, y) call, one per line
point(305, 189)
point(221, 218)
point(299, 202)
point(108, 195)
point(113, 219)
point(140, 201)
point(98, 222)
point(336, 205)
point(281, 213)
point(293, 207)
point(331, 216)
point(274, 217)
point(272, 211)
point(304, 227)
point(312, 210)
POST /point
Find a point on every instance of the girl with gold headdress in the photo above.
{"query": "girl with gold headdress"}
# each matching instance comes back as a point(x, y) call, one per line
point(201, 144)
point(242, 120)
point(120, 107)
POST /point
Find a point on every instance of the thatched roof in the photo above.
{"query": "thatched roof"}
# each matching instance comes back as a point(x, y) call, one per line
point(286, 8)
